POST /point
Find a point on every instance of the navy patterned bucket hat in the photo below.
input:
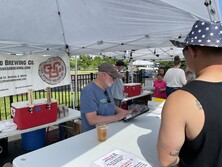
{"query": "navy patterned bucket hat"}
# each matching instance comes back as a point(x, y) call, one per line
point(203, 33)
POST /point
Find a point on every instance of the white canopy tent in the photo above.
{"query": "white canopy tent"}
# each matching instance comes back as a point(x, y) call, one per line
point(77, 27)
point(148, 54)
point(98, 26)
point(142, 63)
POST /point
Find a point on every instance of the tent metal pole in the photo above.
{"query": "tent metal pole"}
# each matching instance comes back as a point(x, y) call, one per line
point(76, 93)
point(71, 89)
point(131, 65)
point(212, 9)
point(67, 51)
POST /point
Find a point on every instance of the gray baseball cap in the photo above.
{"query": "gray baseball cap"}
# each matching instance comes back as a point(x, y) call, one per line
point(110, 69)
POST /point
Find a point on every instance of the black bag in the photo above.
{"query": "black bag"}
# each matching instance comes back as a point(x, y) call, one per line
point(3, 147)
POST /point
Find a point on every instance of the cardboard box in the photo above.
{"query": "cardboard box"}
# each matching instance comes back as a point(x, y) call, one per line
point(74, 127)
point(132, 89)
point(40, 114)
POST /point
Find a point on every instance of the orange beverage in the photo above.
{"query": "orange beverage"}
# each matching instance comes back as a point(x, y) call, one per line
point(101, 132)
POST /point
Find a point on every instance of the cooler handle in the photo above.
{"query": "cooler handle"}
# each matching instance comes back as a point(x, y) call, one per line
point(13, 112)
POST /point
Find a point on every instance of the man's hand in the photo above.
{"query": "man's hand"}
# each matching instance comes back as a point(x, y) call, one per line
point(123, 114)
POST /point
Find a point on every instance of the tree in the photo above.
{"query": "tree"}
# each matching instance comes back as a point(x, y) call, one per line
point(85, 62)
point(97, 61)
point(72, 62)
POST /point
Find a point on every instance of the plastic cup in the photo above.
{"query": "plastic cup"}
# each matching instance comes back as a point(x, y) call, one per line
point(101, 132)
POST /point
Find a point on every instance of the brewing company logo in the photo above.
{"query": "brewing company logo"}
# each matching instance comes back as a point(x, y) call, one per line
point(52, 71)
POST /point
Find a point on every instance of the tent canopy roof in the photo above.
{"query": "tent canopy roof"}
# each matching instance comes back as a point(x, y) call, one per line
point(142, 63)
point(96, 27)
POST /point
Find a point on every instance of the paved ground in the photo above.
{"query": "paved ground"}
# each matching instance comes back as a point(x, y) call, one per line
point(53, 135)
point(14, 149)
point(15, 146)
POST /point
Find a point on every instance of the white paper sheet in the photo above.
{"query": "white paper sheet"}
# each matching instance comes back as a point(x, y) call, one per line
point(120, 158)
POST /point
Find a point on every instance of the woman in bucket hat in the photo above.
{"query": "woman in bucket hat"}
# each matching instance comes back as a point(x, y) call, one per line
point(190, 134)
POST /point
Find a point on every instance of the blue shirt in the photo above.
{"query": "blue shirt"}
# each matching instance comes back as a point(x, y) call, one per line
point(95, 99)
point(117, 89)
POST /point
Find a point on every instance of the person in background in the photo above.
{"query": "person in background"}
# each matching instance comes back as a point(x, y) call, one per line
point(189, 75)
point(175, 77)
point(117, 87)
point(191, 122)
point(96, 101)
point(161, 71)
point(159, 87)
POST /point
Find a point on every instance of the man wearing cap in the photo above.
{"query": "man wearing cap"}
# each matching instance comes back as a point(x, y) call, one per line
point(96, 101)
point(190, 134)
point(117, 87)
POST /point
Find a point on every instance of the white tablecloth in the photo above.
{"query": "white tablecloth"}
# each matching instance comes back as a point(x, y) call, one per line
point(137, 136)
point(72, 114)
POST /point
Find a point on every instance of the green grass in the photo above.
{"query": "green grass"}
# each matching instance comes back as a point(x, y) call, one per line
point(82, 72)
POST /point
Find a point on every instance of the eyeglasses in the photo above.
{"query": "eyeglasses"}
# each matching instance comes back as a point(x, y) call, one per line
point(107, 96)
point(111, 76)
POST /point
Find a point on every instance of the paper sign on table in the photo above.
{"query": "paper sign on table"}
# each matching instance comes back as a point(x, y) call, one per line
point(120, 158)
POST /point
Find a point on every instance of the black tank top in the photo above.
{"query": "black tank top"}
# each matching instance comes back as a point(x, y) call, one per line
point(206, 149)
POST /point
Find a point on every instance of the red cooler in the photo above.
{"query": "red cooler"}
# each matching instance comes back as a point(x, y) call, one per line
point(42, 113)
point(132, 89)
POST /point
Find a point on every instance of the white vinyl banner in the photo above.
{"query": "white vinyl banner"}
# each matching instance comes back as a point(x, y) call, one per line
point(20, 73)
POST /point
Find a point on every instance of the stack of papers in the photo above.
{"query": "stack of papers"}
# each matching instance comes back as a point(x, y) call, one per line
point(120, 158)
point(155, 108)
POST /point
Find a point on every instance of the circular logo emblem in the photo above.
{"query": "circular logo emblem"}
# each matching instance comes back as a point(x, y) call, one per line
point(53, 70)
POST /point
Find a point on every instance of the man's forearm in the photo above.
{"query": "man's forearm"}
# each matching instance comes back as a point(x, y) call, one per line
point(175, 163)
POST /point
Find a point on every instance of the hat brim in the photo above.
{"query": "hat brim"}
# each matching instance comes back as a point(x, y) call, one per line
point(178, 43)
point(116, 74)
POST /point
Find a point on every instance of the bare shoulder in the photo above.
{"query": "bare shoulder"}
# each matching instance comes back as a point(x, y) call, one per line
point(179, 103)
point(182, 109)
point(181, 119)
